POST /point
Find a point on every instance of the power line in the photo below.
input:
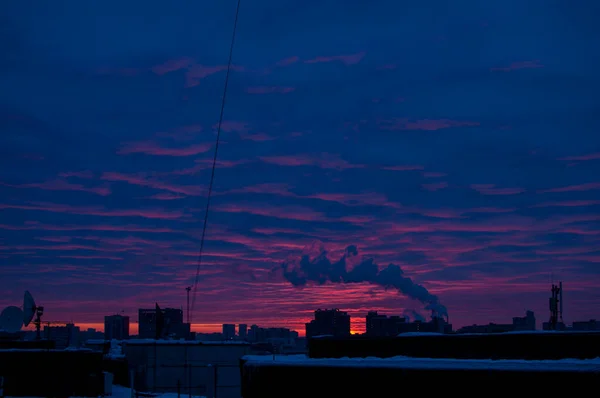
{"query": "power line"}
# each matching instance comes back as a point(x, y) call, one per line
point(214, 165)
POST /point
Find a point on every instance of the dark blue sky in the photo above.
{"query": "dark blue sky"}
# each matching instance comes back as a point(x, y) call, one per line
point(460, 142)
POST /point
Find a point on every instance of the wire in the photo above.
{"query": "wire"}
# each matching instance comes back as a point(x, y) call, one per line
point(214, 165)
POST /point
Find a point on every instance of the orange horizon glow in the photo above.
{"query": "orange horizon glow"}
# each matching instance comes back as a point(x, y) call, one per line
point(358, 327)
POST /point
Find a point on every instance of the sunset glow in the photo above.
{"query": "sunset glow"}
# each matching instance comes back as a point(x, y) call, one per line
point(476, 173)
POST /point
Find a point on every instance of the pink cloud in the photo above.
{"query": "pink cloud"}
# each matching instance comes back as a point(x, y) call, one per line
point(198, 72)
point(274, 189)
point(55, 239)
point(231, 125)
point(152, 148)
point(490, 189)
point(403, 168)
point(346, 59)
point(269, 90)
point(288, 61)
point(145, 181)
point(590, 156)
point(490, 210)
point(441, 213)
point(361, 199)
point(36, 226)
point(95, 211)
point(284, 212)
point(424, 124)
point(435, 186)
point(166, 196)
point(519, 65)
point(569, 203)
point(575, 188)
point(429, 174)
point(358, 219)
point(204, 164)
point(324, 160)
point(92, 257)
point(172, 66)
point(62, 185)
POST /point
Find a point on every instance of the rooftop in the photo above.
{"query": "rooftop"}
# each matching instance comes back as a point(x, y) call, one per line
point(183, 342)
point(568, 365)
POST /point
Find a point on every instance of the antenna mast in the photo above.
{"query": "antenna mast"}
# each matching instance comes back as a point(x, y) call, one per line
point(188, 289)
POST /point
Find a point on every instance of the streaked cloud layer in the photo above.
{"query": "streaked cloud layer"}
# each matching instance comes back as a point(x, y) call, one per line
point(461, 144)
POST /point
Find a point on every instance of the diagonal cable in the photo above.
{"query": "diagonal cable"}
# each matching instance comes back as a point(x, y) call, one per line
point(214, 164)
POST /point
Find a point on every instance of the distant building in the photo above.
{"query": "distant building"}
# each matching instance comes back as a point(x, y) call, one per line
point(518, 324)
point(116, 327)
point(435, 325)
point(172, 324)
point(243, 331)
point(560, 326)
point(524, 323)
point(228, 331)
point(329, 322)
point(378, 325)
point(209, 336)
point(64, 336)
point(90, 334)
point(592, 324)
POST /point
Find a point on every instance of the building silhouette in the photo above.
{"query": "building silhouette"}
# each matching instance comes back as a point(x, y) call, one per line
point(243, 331)
point(590, 325)
point(162, 323)
point(63, 336)
point(116, 327)
point(518, 324)
point(378, 325)
point(228, 331)
point(329, 322)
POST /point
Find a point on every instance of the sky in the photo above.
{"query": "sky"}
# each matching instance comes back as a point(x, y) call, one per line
point(450, 150)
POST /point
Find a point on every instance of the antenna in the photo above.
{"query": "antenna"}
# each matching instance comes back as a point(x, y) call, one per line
point(11, 319)
point(560, 300)
point(29, 308)
point(188, 289)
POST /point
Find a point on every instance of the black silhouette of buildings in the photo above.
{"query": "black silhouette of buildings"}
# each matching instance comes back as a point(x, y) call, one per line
point(518, 324)
point(329, 322)
point(162, 323)
point(116, 327)
point(242, 331)
point(526, 322)
point(591, 325)
point(257, 334)
point(228, 331)
point(379, 325)
point(63, 336)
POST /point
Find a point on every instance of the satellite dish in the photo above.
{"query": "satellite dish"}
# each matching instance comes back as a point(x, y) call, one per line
point(11, 319)
point(29, 308)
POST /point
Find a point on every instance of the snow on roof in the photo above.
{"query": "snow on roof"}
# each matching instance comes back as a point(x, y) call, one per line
point(96, 341)
point(183, 342)
point(68, 349)
point(413, 334)
point(124, 392)
point(578, 365)
point(528, 332)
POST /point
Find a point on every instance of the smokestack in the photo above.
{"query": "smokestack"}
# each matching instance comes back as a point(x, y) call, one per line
point(314, 266)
